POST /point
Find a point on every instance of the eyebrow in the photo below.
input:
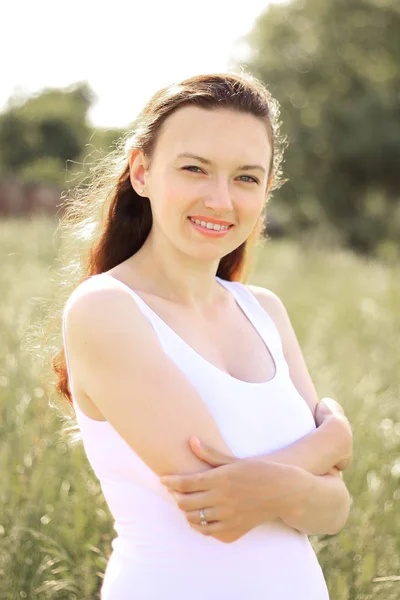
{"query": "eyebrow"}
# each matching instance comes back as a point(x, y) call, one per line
point(209, 162)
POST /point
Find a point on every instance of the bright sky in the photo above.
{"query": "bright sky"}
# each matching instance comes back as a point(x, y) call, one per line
point(125, 49)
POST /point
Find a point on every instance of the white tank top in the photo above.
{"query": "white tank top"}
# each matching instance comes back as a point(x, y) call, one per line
point(156, 554)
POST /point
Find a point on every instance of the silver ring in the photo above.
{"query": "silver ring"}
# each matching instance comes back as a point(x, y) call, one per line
point(203, 520)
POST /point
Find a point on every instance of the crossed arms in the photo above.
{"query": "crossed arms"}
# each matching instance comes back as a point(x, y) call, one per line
point(116, 360)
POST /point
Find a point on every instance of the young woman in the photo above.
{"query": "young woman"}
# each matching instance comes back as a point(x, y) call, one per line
point(163, 341)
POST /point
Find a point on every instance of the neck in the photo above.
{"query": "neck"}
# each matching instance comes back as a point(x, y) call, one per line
point(176, 276)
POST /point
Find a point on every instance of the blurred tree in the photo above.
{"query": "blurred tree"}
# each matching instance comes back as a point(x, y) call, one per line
point(18, 140)
point(334, 67)
point(43, 137)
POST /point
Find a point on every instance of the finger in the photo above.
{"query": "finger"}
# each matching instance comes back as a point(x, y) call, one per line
point(333, 405)
point(210, 528)
point(344, 464)
point(210, 514)
point(209, 454)
point(192, 502)
point(186, 483)
point(336, 472)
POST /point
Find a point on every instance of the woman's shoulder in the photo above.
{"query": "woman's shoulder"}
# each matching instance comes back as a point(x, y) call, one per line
point(290, 345)
point(276, 310)
point(98, 298)
point(270, 301)
point(97, 286)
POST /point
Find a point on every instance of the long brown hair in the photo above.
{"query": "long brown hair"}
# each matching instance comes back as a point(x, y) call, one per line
point(106, 222)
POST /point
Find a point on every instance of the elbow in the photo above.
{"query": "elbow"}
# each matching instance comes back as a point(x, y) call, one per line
point(337, 529)
point(342, 514)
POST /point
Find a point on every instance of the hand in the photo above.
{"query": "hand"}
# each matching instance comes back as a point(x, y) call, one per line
point(328, 408)
point(236, 495)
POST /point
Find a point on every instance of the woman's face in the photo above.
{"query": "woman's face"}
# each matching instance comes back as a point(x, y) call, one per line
point(216, 184)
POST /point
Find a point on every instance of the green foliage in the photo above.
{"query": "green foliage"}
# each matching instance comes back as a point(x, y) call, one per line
point(55, 528)
point(334, 67)
point(47, 137)
point(43, 169)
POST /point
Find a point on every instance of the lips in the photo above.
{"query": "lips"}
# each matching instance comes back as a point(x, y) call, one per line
point(210, 231)
point(210, 220)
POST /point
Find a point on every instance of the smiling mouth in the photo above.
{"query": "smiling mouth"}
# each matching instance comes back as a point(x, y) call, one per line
point(211, 220)
point(210, 225)
point(211, 230)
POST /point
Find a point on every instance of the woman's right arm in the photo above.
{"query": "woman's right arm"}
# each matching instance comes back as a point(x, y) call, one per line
point(116, 359)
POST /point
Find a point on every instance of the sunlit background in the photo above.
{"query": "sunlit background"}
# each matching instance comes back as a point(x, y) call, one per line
point(73, 78)
point(125, 53)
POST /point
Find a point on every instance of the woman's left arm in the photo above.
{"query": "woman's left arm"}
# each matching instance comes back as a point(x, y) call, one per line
point(324, 506)
point(241, 494)
point(326, 502)
point(285, 484)
point(332, 440)
point(299, 484)
point(329, 446)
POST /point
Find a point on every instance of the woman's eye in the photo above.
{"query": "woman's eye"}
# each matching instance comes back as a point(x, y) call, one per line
point(251, 178)
point(190, 167)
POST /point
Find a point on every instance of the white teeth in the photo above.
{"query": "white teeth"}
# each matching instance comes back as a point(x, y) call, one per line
point(208, 225)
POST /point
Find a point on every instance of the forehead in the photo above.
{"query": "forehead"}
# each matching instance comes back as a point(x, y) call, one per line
point(215, 131)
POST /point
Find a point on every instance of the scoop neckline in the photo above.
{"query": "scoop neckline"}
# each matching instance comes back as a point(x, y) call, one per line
point(210, 365)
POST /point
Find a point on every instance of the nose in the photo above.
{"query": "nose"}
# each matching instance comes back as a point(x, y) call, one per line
point(219, 197)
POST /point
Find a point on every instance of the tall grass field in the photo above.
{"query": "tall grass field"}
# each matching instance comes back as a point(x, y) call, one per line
point(55, 528)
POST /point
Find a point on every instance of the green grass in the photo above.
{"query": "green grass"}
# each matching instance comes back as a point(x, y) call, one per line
point(55, 528)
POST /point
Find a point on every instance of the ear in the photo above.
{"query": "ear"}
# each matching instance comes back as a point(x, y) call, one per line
point(138, 170)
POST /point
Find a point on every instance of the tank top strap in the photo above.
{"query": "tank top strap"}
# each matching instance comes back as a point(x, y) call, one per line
point(261, 320)
point(146, 310)
point(82, 418)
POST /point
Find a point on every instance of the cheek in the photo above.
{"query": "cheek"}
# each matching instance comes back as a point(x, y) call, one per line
point(167, 201)
point(250, 207)
point(176, 194)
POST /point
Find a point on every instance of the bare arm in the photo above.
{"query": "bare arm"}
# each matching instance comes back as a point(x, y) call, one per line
point(326, 501)
point(245, 493)
point(326, 505)
point(321, 451)
point(323, 501)
point(330, 445)
point(323, 507)
point(117, 360)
